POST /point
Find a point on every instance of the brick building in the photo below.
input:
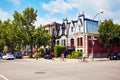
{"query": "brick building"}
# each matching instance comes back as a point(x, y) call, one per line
point(79, 35)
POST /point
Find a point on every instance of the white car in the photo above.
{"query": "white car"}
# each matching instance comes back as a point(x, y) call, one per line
point(8, 56)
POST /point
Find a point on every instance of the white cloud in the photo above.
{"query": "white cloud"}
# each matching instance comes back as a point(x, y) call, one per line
point(3, 15)
point(16, 2)
point(90, 7)
point(57, 6)
point(62, 6)
point(46, 20)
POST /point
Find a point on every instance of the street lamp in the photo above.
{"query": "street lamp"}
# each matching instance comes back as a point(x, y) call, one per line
point(92, 36)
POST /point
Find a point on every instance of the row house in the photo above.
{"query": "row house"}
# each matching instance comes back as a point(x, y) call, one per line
point(79, 35)
point(73, 34)
point(51, 29)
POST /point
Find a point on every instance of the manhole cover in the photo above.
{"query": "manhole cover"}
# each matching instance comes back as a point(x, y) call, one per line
point(39, 72)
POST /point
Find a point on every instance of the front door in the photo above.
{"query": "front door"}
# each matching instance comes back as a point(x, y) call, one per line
point(72, 42)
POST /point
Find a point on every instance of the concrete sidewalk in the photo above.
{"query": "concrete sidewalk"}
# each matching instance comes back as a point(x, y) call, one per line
point(69, 60)
point(79, 60)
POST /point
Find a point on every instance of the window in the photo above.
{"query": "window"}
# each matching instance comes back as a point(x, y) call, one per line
point(79, 42)
point(72, 42)
point(53, 31)
point(57, 33)
point(63, 42)
point(63, 31)
point(46, 31)
point(71, 29)
point(58, 42)
point(81, 50)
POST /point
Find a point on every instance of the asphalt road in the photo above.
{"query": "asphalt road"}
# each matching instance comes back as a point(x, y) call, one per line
point(31, 69)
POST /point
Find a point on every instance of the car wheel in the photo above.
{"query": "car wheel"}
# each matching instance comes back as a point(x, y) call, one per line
point(117, 58)
point(110, 58)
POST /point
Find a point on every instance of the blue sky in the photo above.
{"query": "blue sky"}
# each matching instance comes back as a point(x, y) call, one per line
point(56, 10)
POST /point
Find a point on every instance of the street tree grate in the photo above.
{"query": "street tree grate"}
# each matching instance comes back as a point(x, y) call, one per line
point(40, 72)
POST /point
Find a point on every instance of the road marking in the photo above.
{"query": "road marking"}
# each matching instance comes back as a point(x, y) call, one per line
point(3, 77)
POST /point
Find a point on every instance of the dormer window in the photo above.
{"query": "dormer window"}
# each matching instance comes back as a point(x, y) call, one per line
point(63, 28)
point(63, 31)
point(71, 29)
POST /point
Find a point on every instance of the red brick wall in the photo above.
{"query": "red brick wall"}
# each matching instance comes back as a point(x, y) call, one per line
point(99, 48)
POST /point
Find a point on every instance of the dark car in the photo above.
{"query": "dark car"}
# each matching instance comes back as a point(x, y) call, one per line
point(18, 55)
point(1, 55)
point(115, 56)
point(48, 57)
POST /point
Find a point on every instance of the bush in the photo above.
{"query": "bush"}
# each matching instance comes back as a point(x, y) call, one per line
point(76, 54)
point(37, 55)
point(17, 48)
point(69, 56)
point(58, 50)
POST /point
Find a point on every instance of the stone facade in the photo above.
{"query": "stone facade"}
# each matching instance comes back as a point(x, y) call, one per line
point(77, 35)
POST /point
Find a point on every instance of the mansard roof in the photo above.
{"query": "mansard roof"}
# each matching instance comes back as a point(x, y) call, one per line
point(90, 20)
point(73, 22)
point(53, 24)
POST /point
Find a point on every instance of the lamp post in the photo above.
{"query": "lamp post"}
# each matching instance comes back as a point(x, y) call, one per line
point(92, 36)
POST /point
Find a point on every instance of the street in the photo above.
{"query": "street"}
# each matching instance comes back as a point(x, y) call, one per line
point(31, 69)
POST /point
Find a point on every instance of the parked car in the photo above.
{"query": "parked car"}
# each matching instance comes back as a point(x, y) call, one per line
point(48, 57)
point(1, 55)
point(18, 55)
point(8, 56)
point(115, 56)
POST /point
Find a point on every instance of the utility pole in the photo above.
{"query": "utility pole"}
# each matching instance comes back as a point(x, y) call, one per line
point(92, 36)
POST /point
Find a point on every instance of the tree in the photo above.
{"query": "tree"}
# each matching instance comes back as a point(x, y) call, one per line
point(10, 35)
point(5, 33)
point(28, 18)
point(116, 33)
point(105, 34)
point(21, 31)
point(1, 40)
point(43, 38)
point(109, 33)
point(18, 20)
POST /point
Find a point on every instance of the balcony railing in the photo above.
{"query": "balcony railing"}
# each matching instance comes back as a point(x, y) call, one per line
point(70, 47)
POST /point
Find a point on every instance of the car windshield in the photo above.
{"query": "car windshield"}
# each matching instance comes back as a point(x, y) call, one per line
point(9, 54)
point(119, 54)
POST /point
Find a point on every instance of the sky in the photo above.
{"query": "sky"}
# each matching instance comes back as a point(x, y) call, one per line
point(49, 11)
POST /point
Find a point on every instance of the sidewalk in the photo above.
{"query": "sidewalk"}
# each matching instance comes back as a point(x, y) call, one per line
point(69, 60)
point(78, 60)
point(98, 59)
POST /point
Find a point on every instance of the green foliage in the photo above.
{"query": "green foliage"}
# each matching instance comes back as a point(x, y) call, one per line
point(38, 53)
point(117, 35)
point(40, 49)
point(1, 47)
point(69, 56)
point(29, 17)
point(17, 48)
point(21, 30)
point(109, 33)
point(76, 54)
point(42, 38)
point(58, 50)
